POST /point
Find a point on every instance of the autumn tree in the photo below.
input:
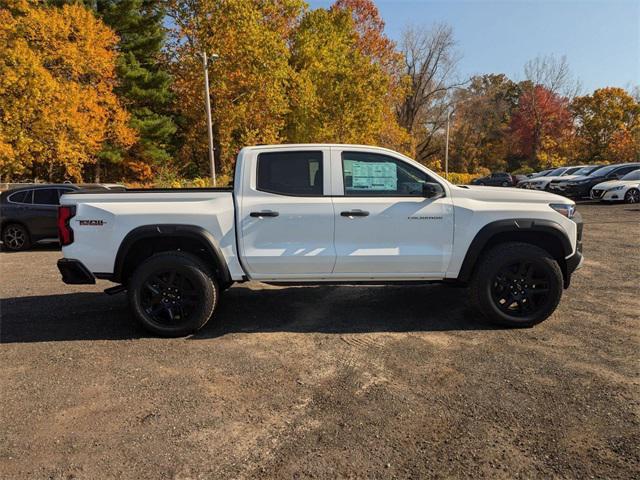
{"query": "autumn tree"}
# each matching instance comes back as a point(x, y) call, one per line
point(344, 87)
point(249, 81)
point(480, 124)
point(541, 126)
point(57, 101)
point(553, 73)
point(143, 84)
point(608, 125)
point(429, 63)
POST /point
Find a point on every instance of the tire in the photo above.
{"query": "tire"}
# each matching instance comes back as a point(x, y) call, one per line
point(173, 294)
point(505, 184)
point(16, 237)
point(632, 196)
point(502, 284)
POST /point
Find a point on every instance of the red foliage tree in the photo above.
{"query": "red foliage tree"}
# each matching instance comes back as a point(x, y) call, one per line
point(541, 120)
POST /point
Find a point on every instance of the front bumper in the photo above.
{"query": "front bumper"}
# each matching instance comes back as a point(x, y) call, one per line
point(613, 196)
point(577, 191)
point(574, 262)
point(74, 272)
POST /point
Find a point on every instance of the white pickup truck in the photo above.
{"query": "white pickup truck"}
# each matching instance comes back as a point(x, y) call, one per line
point(344, 214)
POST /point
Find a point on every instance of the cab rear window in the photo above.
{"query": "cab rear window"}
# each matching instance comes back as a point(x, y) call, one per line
point(290, 173)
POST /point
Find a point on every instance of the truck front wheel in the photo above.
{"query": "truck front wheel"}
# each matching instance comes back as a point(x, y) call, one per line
point(516, 284)
point(173, 294)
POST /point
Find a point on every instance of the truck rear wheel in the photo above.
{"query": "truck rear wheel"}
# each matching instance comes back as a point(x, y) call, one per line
point(173, 294)
point(516, 284)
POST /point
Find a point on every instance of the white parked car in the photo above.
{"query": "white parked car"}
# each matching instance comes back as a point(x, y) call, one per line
point(627, 189)
point(542, 182)
point(312, 214)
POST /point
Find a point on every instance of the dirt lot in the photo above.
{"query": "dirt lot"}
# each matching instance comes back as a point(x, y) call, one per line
point(325, 382)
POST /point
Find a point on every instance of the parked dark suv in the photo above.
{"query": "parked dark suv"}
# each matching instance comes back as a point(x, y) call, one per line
point(28, 214)
point(499, 179)
point(581, 187)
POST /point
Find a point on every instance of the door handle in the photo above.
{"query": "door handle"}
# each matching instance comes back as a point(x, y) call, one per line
point(355, 213)
point(264, 213)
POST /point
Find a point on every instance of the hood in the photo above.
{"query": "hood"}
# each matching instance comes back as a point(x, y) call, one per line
point(615, 183)
point(606, 185)
point(506, 194)
point(577, 178)
point(549, 179)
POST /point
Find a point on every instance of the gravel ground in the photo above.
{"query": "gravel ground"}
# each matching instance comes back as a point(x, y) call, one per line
point(325, 382)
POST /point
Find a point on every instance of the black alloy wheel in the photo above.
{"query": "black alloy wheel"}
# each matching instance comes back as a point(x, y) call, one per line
point(173, 293)
point(521, 289)
point(168, 297)
point(516, 284)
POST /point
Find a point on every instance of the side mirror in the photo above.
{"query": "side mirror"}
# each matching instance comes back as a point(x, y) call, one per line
point(432, 190)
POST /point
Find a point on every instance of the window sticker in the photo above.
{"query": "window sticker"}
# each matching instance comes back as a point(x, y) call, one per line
point(373, 176)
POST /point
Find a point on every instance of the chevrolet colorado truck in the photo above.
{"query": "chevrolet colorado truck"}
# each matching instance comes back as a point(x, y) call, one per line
point(332, 214)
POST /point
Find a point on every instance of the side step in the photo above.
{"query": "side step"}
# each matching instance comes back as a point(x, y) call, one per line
point(115, 290)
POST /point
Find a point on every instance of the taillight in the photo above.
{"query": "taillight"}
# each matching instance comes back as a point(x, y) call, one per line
point(65, 233)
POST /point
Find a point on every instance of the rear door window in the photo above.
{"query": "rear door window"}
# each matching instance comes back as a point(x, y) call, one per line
point(24, 196)
point(45, 196)
point(291, 173)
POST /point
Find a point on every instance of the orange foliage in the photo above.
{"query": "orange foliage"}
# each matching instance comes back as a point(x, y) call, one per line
point(57, 106)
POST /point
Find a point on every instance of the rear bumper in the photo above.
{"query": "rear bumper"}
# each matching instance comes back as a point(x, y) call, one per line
point(74, 272)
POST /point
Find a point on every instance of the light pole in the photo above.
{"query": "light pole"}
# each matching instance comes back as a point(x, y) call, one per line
point(205, 65)
point(446, 147)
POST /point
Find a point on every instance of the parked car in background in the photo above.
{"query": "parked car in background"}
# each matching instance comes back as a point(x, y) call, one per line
point(542, 182)
point(580, 187)
point(28, 214)
point(498, 179)
point(583, 172)
point(626, 189)
point(540, 174)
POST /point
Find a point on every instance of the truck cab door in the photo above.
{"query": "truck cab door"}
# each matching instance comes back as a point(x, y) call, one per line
point(286, 217)
point(386, 227)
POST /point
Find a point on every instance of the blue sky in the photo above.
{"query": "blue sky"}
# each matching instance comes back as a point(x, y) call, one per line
point(601, 39)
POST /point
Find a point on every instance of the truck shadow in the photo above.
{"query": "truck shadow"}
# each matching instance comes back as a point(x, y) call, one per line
point(320, 309)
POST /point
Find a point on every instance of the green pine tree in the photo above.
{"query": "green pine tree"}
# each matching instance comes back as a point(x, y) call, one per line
point(144, 86)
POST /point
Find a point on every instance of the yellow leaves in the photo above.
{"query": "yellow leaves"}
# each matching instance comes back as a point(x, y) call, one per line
point(57, 106)
point(249, 81)
point(608, 125)
point(340, 93)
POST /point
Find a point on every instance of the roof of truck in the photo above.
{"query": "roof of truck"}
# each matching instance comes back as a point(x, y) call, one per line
point(316, 145)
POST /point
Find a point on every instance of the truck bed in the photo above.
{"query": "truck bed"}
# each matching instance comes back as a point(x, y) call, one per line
point(103, 219)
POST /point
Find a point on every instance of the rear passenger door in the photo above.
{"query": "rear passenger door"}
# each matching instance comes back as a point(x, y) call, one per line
point(286, 218)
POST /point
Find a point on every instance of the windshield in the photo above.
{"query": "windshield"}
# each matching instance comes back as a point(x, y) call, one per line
point(557, 172)
point(604, 171)
point(635, 175)
point(572, 170)
point(587, 170)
